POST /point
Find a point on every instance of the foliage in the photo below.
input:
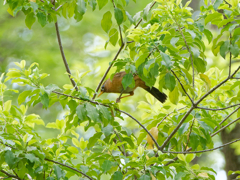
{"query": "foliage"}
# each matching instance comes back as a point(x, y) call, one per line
point(168, 48)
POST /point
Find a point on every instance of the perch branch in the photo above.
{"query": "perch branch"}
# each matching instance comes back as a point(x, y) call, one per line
point(10, 175)
point(218, 109)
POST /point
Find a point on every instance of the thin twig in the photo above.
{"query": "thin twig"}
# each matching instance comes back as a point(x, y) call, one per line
point(176, 129)
point(206, 150)
point(64, 58)
point(169, 115)
point(183, 87)
point(224, 127)
point(104, 76)
point(58, 7)
point(55, 162)
point(179, 28)
point(218, 109)
point(227, 117)
point(10, 175)
point(124, 151)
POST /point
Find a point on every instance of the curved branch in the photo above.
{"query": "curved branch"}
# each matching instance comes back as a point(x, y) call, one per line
point(55, 162)
point(207, 150)
point(224, 127)
point(64, 58)
point(218, 109)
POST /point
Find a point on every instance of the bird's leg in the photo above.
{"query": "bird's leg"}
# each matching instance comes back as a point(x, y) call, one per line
point(130, 94)
point(118, 99)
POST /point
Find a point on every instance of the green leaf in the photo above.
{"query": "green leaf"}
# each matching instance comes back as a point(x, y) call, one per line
point(106, 166)
point(22, 97)
point(42, 19)
point(145, 177)
point(200, 65)
point(224, 49)
point(183, 128)
point(107, 130)
point(190, 157)
point(9, 158)
point(44, 99)
point(80, 10)
point(58, 172)
point(216, 16)
point(208, 34)
point(30, 19)
point(181, 157)
point(81, 112)
point(34, 6)
point(234, 49)
point(128, 81)
point(117, 175)
point(113, 36)
point(32, 158)
point(101, 3)
point(195, 51)
point(93, 4)
point(130, 18)
point(170, 82)
point(105, 112)
point(92, 112)
point(50, 88)
point(118, 15)
point(94, 139)
point(166, 60)
point(73, 150)
point(174, 95)
point(7, 105)
point(174, 40)
point(106, 22)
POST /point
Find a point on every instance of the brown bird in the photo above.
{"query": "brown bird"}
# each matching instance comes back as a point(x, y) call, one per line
point(115, 86)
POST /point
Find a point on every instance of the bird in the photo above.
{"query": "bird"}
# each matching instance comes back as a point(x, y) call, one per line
point(115, 86)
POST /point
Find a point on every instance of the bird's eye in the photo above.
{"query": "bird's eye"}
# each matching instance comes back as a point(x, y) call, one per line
point(102, 88)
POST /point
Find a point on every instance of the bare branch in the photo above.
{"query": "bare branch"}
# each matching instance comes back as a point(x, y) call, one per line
point(207, 150)
point(188, 138)
point(104, 76)
point(218, 109)
point(64, 58)
point(183, 87)
point(227, 117)
point(168, 115)
point(224, 127)
point(58, 7)
point(175, 130)
point(55, 162)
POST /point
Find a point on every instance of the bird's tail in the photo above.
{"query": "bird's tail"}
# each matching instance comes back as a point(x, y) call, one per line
point(157, 94)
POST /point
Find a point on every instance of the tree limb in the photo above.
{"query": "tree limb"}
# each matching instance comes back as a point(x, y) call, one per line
point(10, 175)
point(64, 58)
point(218, 109)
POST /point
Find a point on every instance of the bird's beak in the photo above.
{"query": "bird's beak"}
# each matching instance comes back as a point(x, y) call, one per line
point(100, 93)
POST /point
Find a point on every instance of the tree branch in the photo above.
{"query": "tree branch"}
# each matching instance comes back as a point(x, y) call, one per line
point(10, 175)
point(227, 117)
point(188, 139)
point(64, 58)
point(224, 127)
point(182, 87)
point(218, 109)
point(55, 162)
point(207, 150)
point(123, 148)
point(230, 58)
point(175, 130)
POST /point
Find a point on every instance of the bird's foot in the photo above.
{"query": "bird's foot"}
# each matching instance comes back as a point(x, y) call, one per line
point(118, 100)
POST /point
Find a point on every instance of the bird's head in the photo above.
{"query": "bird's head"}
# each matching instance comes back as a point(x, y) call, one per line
point(102, 90)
